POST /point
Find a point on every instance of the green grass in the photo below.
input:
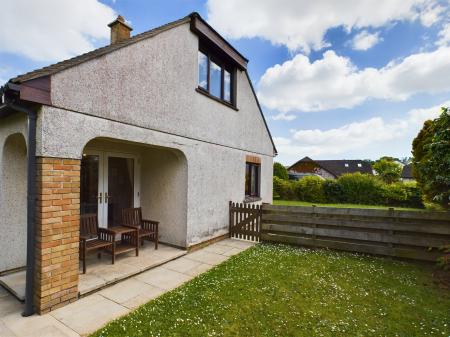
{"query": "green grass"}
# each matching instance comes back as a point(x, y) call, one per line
point(304, 203)
point(278, 290)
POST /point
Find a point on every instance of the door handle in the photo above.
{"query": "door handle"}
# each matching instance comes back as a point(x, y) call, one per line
point(107, 197)
point(100, 198)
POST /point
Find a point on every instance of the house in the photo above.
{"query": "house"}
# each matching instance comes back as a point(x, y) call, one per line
point(407, 173)
point(327, 169)
point(167, 120)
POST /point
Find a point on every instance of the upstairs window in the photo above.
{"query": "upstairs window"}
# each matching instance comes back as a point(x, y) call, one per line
point(252, 188)
point(215, 77)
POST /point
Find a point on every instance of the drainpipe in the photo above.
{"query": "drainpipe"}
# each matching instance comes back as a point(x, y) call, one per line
point(31, 205)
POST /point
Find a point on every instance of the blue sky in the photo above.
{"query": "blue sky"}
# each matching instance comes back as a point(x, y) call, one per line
point(336, 80)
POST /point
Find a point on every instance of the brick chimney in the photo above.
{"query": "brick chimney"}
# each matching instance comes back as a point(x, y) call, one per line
point(119, 30)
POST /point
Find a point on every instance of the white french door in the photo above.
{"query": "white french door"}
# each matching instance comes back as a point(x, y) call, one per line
point(110, 182)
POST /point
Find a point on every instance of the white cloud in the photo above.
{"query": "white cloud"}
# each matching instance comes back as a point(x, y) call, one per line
point(431, 13)
point(284, 117)
point(302, 24)
point(334, 82)
point(365, 40)
point(49, 30)
point(444, 36)
point(353, 137)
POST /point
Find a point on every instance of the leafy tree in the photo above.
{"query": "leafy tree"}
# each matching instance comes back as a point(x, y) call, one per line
point(280, 171)
point(431, 164)
point(389, 170)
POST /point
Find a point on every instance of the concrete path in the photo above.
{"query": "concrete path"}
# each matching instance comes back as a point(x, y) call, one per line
point(94, 311)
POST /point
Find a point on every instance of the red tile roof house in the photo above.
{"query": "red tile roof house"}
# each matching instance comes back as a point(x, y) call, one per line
point(167, 120)
point(328, 169)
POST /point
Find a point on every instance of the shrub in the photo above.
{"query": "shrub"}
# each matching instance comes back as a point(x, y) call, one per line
point(394, 194)
point(310, 189)
point(283, 189)
point(280, 171)
point(332, 191)
point(414, 195)
point(431, 150)
point(360, 188)
point(388, 170)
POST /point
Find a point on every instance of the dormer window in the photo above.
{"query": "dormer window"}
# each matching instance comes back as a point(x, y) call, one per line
point(215, 77)
point(346, 164)
point(359, 165)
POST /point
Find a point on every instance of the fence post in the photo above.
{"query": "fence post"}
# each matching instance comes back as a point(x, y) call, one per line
point(230, 218)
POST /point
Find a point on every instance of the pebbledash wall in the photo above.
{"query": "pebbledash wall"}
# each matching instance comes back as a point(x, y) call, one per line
point(13, 193)
point(141, 95)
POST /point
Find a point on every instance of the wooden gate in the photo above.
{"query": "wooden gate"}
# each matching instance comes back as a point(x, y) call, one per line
point(245, 221)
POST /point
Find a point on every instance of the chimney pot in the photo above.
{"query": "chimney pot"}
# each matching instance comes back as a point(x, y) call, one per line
point(120, 31)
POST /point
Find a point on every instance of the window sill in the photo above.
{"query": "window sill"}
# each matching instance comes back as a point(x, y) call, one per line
point(207, 94)
point(248, 199)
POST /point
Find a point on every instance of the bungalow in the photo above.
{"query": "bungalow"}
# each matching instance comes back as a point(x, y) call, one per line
point(166, 120)
point(328, 169)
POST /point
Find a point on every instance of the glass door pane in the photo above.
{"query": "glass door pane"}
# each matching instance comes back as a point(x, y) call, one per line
point(89, 184)
point(120, 193)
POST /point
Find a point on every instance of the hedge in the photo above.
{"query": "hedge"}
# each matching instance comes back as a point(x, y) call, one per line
point(353, 188)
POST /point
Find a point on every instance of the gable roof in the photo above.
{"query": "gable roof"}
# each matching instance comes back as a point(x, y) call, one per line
point(60, 66)
point(198, 25)
point(339, 167)
point(407, 172)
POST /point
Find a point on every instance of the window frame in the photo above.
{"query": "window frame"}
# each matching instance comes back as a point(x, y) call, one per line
point(248, 184)
point(224, 66)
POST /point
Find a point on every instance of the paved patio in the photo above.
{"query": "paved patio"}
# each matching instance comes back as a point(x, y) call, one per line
point(93, 311)
point(101, 273)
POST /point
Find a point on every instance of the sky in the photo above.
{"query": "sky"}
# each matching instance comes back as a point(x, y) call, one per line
point(336, 79)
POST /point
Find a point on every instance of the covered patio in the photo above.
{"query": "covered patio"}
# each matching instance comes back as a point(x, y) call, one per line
point(101, 272)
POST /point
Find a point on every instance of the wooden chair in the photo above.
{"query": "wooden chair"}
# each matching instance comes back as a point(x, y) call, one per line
point(147, 229)
point(94, 238)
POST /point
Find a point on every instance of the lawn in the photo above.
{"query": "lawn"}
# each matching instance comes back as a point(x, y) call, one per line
point(278, 290)
point(304, 203)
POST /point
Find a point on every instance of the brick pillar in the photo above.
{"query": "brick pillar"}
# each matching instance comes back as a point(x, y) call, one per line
point(57, 233)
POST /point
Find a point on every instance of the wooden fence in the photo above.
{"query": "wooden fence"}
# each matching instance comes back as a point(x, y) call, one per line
point(245, 221)
point(404, 234)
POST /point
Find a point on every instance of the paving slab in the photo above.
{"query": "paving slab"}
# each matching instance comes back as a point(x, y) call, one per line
point(206, 257)
point(37, 326)
point(163, 278)
point(89, 314)
point(233, 251)
point(15, 283)
point(111, 273)
point(236, 243)
point(182, 265)
point(201, 268)
point(218, 248)
point(89, 282)
point(144, 297)
point(9, 304)
point(126, 290)
point(5, 331)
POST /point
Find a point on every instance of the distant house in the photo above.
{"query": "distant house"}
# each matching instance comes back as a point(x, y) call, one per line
point(407, 174)
point(327, 169)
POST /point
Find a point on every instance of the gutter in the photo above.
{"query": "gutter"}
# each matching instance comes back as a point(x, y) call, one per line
point(31, 194)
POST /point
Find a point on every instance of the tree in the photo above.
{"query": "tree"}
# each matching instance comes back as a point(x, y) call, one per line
point(389, 170)
point(431, 151)
point(280, 171)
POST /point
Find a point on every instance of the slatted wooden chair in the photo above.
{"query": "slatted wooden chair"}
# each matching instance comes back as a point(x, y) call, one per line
point(147, 229)
point(94, 238)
